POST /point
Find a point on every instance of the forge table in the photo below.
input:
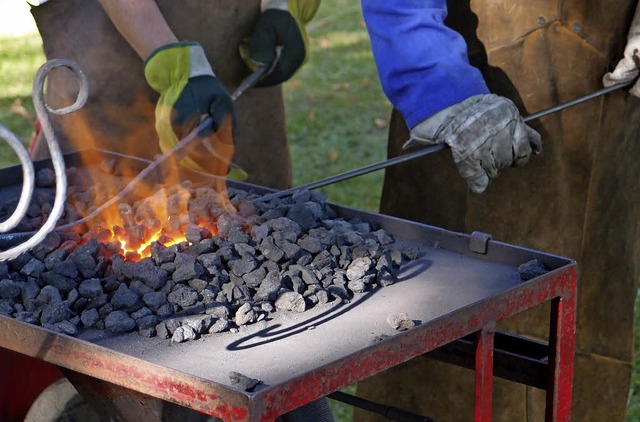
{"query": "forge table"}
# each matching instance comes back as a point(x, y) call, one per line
point(458, 288)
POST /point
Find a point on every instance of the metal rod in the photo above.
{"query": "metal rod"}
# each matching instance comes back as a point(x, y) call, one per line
point(428, 150)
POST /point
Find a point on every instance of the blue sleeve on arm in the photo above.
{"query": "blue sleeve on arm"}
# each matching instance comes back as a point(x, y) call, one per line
point(422, 64)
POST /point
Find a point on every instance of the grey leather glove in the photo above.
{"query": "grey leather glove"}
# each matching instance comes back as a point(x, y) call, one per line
point(486, 134)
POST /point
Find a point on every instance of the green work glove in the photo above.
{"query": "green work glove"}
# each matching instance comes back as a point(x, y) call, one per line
point(279, 39)
point(190, 92)
point(486, 134)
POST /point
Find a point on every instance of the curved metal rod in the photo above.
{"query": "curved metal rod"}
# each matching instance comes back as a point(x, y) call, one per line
point(42, 109)
point(28, 180)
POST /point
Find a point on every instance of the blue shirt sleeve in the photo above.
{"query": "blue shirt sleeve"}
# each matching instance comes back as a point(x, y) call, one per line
point(422, 64)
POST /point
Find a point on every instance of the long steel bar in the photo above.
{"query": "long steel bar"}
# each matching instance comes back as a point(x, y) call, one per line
point(428, 150)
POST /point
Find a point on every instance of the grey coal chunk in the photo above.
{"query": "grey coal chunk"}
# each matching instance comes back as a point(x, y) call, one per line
point(146, 322)
point(183, 333)
point(357, 286)
point(203, 246)
point(50, 243)
point(269, 288)
point(119, 322)
point(245, 315)
point(212, 262)
point(147, 332)
point(286, 227)
point(383, 237)
point(198, 284)
point(145, 271)
point(55, 311)
point(84, 261)
point(49, 294)
point(358, 268)
point(28, 317)
point(345, 257)
point(161, 254)
point(236, 235)
point(199, 323)
point(193, 233)
point(291, 250)
point(259, 232)
point(6, 306)
point(242, 266)
point(310, 244)
point(97, 301)
point(66, 268)
point(45, 178)
point(324, 259)
point(161, 330)
point(33, 268)
point(219, 326)
point(105, 310)
point(290, 301)
point(243, 382)
point(54, 257)
point(400, 321)
point(339, 292)
point(140, 288)
point(60, 282)
point(4, 270)
point(64, 327)
point(410, 253)
point(245, 250)
point(270, 250)
point(185, 268)
point(531, 269)
point(9, 289)
point(29, 290)
point(226, 224)
point(306, 274)
point(165, 310)
point(89, 317)
point(90, 288)
point(183, 296)
point(385, 277)
point(142, 312)
point(124, 297)
point(255, 277)
point(72, 297)
point(217, 310)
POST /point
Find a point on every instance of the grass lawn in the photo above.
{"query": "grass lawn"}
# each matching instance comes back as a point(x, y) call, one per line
point(337, 113)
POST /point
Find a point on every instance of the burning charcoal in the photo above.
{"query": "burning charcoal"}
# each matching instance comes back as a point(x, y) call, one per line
point(185, 268)
point(183, 333)
point(33, 268)
point(290, 301)
point(45, 178)
point(358, 268)
point(89, 318)
point(124, 297)
point(119, 322)
point(55, 311)
point(90, 288)
point(245, 315)
point(400, 321)
point(62, 283)
point(146, 322)
point(200, 324)
point(183, 296)
point(531, 269)
point(9, 289)
point(161, 254)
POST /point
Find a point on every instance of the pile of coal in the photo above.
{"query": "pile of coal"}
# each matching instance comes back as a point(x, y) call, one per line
point(287, 255)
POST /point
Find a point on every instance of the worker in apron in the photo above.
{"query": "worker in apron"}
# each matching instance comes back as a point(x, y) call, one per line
point(578, 198)
point(155, 71)
point(154, 68)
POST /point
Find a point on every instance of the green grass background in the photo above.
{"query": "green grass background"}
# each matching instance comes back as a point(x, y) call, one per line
point(337, 115)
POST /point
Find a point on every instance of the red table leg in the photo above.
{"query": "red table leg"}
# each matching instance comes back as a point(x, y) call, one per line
point(484, 373)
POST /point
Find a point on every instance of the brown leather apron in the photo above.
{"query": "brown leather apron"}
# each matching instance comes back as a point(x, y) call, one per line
point(578, 199)
point(119, 115)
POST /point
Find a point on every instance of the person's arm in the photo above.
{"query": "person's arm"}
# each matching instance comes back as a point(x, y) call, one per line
point(140, 23)
point(424, 70)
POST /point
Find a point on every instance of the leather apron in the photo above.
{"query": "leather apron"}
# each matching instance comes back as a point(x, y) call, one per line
point(119, 114)
point(578, 199)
